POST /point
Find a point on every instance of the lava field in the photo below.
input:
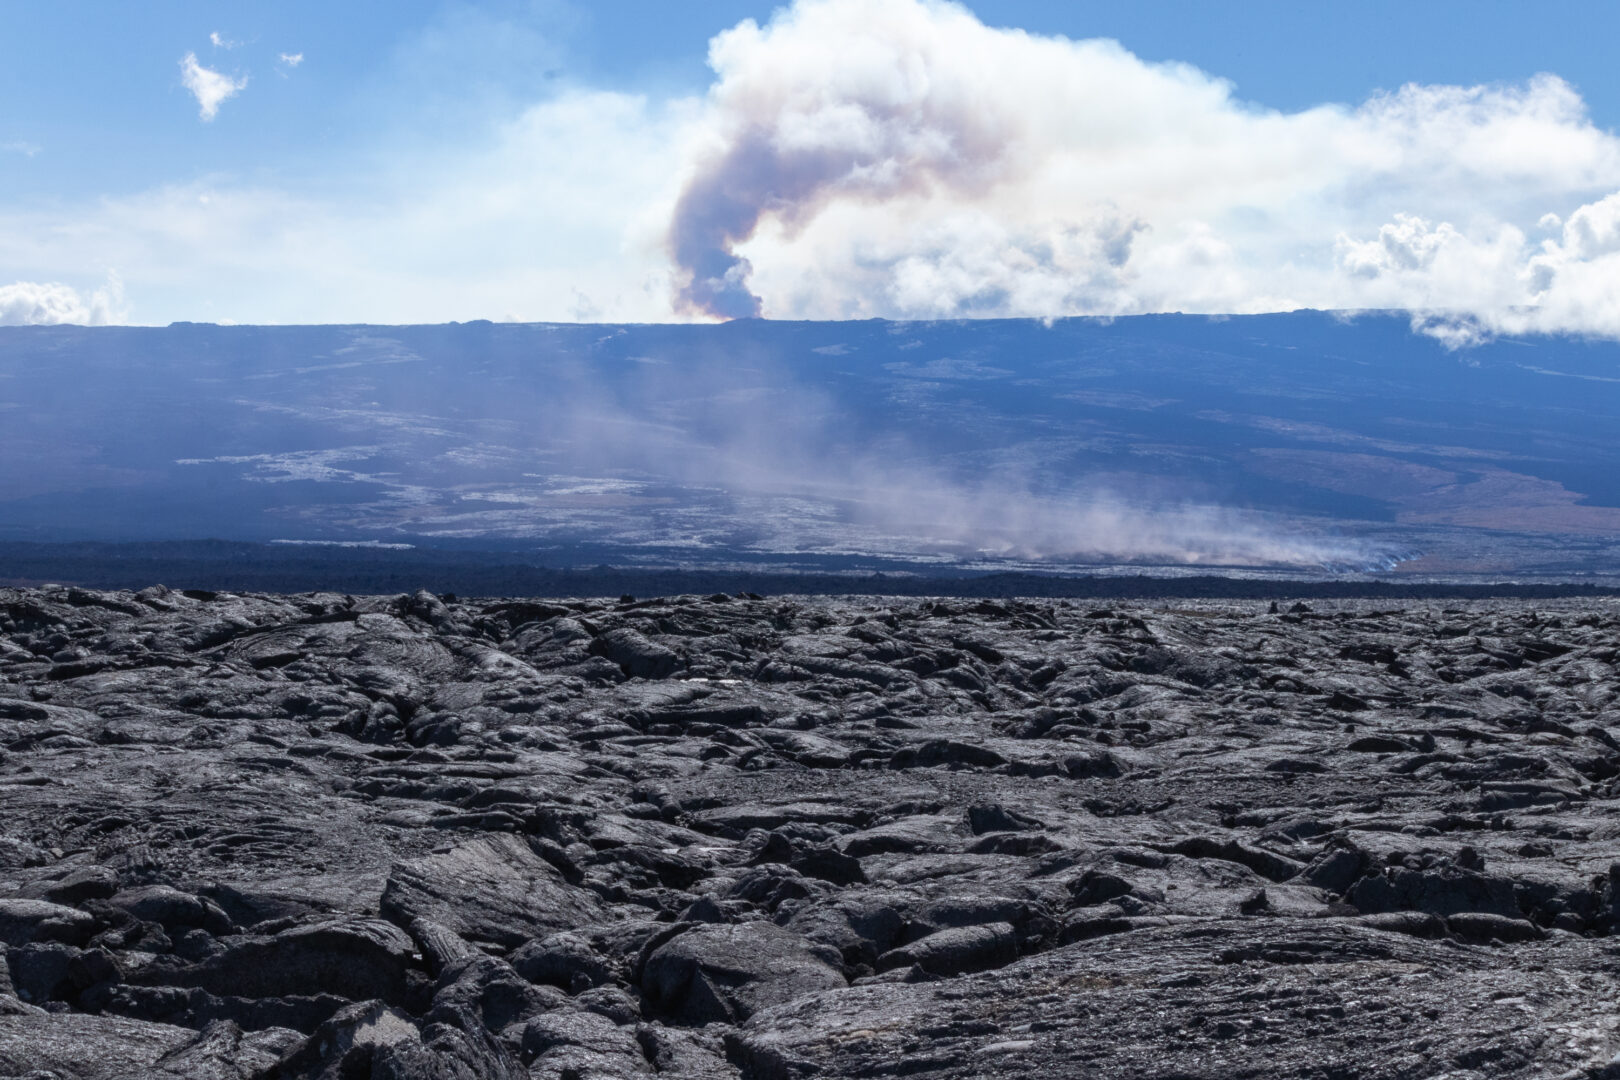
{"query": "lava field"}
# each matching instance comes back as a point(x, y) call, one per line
point(420, 837)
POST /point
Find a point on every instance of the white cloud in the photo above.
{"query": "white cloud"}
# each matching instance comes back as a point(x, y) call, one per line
point(1407, 244)
point(1593, 230)
point(292, 60)
point(210, 88)
point(1469, 286)
point(899, 158)
point(26, 149)
point(29, 303)
point(220, 41)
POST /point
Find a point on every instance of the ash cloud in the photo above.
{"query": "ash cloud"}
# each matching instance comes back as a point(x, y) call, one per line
point(801, 131)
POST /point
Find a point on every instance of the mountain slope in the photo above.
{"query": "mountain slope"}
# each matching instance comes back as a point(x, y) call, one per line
point(1283, 440)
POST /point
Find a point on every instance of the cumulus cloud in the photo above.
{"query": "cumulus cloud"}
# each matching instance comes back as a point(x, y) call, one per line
point(901, 158)
point(291, 60)
point(220, 41)
point(29, 303)
point(210, 88)
point(1466, 287)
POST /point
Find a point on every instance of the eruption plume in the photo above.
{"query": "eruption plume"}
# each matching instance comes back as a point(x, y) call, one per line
point(803, 127)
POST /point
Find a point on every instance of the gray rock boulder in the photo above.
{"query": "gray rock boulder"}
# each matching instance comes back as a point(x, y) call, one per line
point(637, 655)
point(353, 958)
point(24, 921)
point(494, 889)
point(728, 973)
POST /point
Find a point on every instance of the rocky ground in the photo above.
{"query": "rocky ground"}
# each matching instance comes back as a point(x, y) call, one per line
point(329, 836)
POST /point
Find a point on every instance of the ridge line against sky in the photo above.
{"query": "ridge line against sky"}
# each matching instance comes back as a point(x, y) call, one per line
point(840, 159)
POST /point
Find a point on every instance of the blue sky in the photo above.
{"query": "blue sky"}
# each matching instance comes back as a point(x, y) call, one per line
point(96, 87)
point(369, 180)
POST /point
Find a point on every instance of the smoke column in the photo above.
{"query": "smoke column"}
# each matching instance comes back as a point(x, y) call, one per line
point(803, 125)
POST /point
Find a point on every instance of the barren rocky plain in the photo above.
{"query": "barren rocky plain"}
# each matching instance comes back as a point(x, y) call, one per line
point(413, 836)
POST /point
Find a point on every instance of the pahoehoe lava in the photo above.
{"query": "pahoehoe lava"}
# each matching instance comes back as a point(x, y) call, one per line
point(332, 836)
